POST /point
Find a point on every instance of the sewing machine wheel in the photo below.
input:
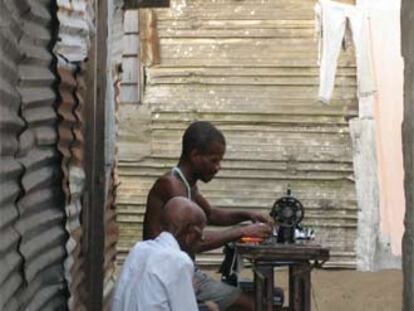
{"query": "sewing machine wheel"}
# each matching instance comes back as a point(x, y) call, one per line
point(287, 211)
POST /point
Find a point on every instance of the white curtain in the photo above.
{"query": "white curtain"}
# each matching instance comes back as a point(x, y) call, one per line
point(388, 113)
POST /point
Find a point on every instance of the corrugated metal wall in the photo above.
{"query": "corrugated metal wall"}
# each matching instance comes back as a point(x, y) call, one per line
point(32, 247)
point(251, 68)
point(111, 228)
point(44, 98)
point(74, 39)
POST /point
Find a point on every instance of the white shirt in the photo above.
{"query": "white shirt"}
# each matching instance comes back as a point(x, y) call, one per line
point(157, 276)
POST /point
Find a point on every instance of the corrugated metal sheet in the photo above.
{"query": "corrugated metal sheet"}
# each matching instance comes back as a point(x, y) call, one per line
point(75, 31)
point(71, 145)
point(251, 68)
point(32, 233)
point(111, 227)
point(114, 43)
point(11, 280)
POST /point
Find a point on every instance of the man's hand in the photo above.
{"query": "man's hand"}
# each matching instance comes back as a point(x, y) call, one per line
point(259, 230)
point(256, 217)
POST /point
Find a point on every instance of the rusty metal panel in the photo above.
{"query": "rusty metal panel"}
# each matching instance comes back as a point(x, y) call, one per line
point(32, 232)
point(75, 31)
point(71, 145)
point(251, 68)
point(75, 36)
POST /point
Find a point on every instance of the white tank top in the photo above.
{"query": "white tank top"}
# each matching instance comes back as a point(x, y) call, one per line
point(184, 180)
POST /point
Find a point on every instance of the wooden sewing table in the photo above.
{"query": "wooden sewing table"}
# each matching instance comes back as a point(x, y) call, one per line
point(299, 257)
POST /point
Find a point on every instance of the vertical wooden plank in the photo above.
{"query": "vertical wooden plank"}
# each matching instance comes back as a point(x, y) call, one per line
point(131, 60)
point(407, 19)
point(136, 4)
point(96, 164)
point(150, 49)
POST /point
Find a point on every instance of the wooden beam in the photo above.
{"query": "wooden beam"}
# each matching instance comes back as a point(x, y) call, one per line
point(407, 40)
point(94, 240)
point(139, 4)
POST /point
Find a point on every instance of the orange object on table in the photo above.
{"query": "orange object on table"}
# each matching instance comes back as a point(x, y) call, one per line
point(251, 240)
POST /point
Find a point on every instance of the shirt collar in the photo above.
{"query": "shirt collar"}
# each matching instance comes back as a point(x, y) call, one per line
point(168, 239)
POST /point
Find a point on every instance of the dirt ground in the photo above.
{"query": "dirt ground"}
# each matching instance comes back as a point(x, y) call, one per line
point(349, 290)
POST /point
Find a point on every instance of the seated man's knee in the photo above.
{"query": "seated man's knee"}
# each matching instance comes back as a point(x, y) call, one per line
point(245, 302)
point(209, 306)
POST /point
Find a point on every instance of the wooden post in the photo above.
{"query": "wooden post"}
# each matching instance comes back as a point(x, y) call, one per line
point(138, 4)
point(94, 238)
point(407, 39)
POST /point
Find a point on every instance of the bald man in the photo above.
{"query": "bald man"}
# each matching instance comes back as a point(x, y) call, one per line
point(158, 274)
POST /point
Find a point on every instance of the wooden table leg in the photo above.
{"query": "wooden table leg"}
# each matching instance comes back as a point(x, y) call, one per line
point(263, 279)
point(299, 287)
point(259, 281)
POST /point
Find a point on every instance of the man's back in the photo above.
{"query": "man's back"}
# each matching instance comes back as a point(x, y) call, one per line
point(165, 188)
point(156, 275)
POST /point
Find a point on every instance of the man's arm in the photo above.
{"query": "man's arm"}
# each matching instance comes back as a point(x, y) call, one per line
point(220, 217)
point(216, 239)
point(152, 218)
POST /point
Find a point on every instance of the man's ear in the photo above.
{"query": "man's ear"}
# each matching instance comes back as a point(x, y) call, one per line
point(189, 228)
point(182, 232)
point(195, 155)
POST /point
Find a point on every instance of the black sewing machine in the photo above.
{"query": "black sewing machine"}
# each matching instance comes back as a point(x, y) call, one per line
point(287, 212)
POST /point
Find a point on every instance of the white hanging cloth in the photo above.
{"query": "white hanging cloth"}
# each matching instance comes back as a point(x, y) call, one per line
point(333, 21)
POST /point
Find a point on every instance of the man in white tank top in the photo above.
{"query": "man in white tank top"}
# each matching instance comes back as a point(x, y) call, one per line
point(203, 148)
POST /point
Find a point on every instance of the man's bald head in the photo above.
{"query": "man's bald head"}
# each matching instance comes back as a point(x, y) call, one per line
point(185, 220)
point(179, 212)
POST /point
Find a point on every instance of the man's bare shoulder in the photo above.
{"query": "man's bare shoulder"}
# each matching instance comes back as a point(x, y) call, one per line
point(167, 186)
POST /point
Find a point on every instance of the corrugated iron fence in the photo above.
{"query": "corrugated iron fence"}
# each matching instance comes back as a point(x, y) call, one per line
point(44, 204)
point(251, 68)
point(75, 20)
point(32, 247)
